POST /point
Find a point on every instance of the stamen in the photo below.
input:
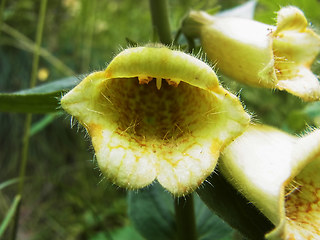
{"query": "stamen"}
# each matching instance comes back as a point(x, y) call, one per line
point(94, 111)
point(173, 83)
point(106, 98)
point(158, 83)
point(144, 79)
point(292, 187)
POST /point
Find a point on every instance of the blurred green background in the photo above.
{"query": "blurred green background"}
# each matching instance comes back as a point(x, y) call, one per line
point(65, 196)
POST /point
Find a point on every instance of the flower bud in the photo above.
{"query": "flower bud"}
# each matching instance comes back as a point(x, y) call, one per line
point(261, 55)
point(156, 113)
point(279, 174)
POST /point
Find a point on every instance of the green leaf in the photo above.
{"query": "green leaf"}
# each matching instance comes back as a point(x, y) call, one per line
point(41, 124)
point(8, 183)
point(233, 208)
point(209, 225)
point(152, 212)
point(40, 99)
point(299, 119)
point(6, 221)
point(126, 233)
point(312, 110)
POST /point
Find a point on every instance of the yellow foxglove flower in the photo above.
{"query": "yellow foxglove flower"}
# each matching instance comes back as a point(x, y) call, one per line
point(279, 174)
point(156, 113)
point(259, 54)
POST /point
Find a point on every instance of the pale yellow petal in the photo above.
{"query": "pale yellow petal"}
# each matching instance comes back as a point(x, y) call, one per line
point(156, 113)
point(260, 55)
point(303, 84)
point(279, 173)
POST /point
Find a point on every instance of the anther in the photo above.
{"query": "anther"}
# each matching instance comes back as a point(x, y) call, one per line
point(158, 83)
point(173, 83)
point(144, 79)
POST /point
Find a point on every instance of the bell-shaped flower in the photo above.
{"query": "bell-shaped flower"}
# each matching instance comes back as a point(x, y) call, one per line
point(156, 113)
point(279, 174)
point(277, 57)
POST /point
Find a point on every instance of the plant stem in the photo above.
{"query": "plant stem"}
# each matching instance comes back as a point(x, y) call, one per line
point(89, 10)
point(28, 45)
point(3, 3)
point(35, 62)
point(33, 80)
point(160, 20)
point(185, 218)
point(184, 209)
point(25, 140)
point(10, 214)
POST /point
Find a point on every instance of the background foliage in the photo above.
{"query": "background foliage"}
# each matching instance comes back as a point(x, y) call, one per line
point(65, 195)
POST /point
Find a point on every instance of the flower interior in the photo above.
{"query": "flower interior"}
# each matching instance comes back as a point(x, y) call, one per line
point(295, 47)
point(142, 129)
point(302, 203)
point(170, 130)
point(159, 118)
point(155, 113)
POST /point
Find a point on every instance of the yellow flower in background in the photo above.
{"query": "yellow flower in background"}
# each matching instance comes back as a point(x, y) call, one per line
point(156, 113)
point(261, 55)
point(43, 74)
point(279, 174)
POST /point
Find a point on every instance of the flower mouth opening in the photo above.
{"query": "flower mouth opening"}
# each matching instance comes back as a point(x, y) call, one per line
point(302, 203)
point(169, 129)
point(159, 114)
point(284, 68)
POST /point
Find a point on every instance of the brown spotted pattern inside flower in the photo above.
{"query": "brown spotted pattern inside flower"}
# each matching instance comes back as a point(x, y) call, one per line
point(303, 204)
point(146, 113)
point(284, 68)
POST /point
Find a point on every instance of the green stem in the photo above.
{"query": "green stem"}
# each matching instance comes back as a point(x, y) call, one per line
point(9, 216)
point(184, 209)
point(3, 3)
point(33, 80)
point(191, 45)
point(24, 152)
point(176, 37)
point(160, 20)
point(25, 143)
point(89, 7)
point(185, 218)
point(28, 45)
point(35, 62)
